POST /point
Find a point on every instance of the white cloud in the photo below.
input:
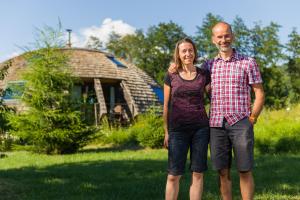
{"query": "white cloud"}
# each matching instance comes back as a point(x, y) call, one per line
point(106, 28)
point(80, 39)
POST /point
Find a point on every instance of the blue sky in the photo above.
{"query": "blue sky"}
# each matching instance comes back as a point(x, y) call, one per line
point(18, 18)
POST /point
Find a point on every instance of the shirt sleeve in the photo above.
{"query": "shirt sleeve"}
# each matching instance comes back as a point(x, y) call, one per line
point(206, 65)
point(253, 72)
point(207, 77)
point(167, 79)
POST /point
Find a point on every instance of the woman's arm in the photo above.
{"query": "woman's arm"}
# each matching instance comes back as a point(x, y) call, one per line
point(167, 91)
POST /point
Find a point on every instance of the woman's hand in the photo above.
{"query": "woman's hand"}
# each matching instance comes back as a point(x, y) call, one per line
point(166, 140)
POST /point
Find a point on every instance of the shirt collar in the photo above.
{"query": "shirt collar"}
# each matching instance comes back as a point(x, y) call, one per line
point(234, 56)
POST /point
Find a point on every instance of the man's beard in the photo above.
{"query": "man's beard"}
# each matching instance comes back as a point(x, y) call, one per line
point(224, 49)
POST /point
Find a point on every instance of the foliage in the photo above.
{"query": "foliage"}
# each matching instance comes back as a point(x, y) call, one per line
point(293, 64)
point(94, 43)
point(151, 51)
point(5, 139)
point(243, 36)
point(3, 108)
point(146, 131)
point(280, 69)
point(278, 131)
point(151, 132)
point(52, 123)
point(203, 36)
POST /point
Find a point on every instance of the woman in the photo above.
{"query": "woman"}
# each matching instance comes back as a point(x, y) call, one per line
point(185, 120)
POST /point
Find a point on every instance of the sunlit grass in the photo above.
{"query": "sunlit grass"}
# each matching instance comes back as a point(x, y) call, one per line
point(278, 130)
point(112, 173)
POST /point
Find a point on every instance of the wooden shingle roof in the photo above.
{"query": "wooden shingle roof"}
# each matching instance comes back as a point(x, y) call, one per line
point(94, 64)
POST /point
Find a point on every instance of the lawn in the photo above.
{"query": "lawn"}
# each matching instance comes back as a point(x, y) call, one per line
point(128, 174)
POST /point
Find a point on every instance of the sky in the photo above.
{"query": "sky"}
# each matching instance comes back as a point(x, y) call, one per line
point(19, 19)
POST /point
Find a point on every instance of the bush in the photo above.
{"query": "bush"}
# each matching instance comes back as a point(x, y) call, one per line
point(51, 134)
point(146, 131)
point(151, 132)
point(6, 143)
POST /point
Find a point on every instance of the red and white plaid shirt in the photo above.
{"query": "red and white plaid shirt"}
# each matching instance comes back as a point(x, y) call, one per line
point(230, 88)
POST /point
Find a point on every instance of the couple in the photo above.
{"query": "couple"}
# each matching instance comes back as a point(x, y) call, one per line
point(228, 78)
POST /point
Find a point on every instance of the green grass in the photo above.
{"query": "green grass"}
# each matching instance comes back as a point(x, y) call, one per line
point(129, 174)
point(278, 131)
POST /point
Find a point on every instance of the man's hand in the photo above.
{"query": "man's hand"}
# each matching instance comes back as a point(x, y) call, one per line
point(252, 120)
point(172, 68)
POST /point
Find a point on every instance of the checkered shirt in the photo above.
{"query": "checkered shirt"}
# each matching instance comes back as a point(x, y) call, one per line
point(230, 88)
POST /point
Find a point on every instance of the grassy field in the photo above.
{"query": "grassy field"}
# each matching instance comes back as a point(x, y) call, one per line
point(128, 174)
point(278, 130)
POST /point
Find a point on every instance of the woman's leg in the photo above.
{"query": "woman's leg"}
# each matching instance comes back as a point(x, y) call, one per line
point(172, 187)
point(196, 188)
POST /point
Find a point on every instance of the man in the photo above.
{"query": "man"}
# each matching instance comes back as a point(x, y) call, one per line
point(231, 118)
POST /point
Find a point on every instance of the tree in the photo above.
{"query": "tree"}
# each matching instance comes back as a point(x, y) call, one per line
point(242, 35)
point(160, 45)
point(268, 52)
point(293, 65)
point(203, 36)
point(94, 43)
point(152, 51)
point(52, 123)
point(4, 110)
point(266, 47)
point(129, 47)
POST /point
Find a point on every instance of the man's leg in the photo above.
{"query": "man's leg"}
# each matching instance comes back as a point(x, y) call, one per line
point(172, 187)
point(247, 185)
point(243, 146)
point(225, 184)
point(196, 188)
point(220, 151)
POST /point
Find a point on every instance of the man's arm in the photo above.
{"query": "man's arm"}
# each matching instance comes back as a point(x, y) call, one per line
point(172, 68)
point(258, 102)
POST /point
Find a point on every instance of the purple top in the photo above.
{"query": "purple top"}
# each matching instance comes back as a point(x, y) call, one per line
point(186, 108)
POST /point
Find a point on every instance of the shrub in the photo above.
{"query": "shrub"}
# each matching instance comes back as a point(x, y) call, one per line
point(147, 131)
point(151, 132)
point(51, 134)
point(6, 143)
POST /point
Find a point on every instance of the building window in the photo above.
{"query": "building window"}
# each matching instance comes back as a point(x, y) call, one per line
point(14, 90)
point(116, 62)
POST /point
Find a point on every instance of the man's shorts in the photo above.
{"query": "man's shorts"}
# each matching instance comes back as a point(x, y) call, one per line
point(179, 144)
point(239, 138)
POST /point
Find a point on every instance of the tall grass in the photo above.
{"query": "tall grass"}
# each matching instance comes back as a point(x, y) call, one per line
point(278, 131)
